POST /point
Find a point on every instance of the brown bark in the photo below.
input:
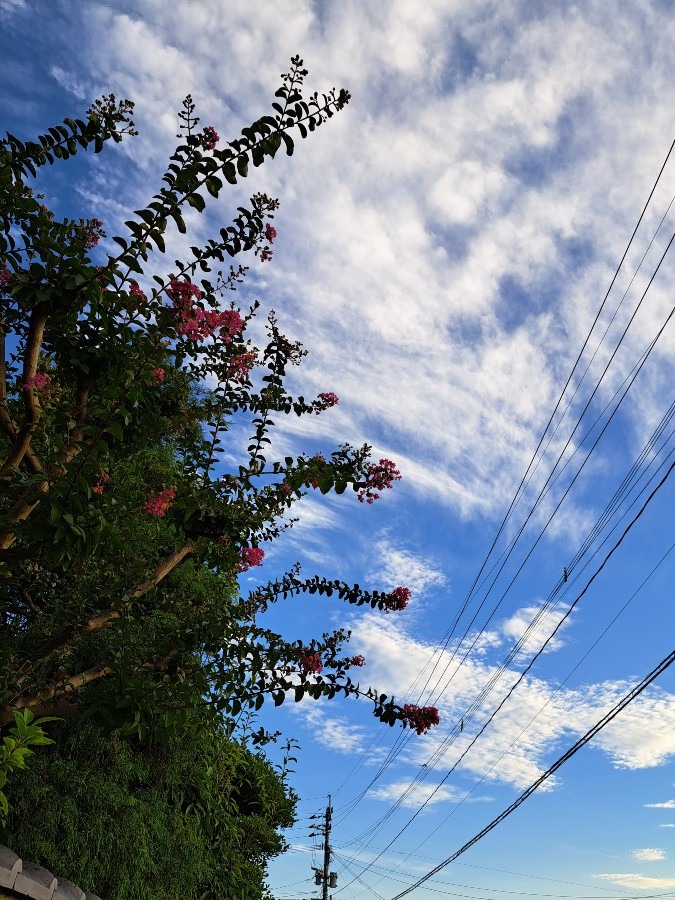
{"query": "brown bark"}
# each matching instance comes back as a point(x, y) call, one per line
point(32, 415)
point(52, 692)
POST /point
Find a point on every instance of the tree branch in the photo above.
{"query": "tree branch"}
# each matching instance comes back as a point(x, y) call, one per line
point(36, 329)
point(103, 619)
point(53, 691)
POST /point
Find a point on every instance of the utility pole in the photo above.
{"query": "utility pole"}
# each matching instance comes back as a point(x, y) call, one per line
point(326, 849)
point(323, 876)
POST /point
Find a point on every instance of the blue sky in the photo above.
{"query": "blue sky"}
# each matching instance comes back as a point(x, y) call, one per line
point(444, 246)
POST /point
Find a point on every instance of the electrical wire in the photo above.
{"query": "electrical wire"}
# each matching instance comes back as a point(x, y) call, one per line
point(585, 739)
point(539, 652)
point(612, 506)
point(391, 875)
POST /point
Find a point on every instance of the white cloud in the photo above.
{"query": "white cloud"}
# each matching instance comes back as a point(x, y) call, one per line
point(531, 626)
point(428, 262)
point(416, 795)
point(397, 566)
point(667, 804)
point(332, 732)
point(67, 81)
point(666, 825)
point(648, 854)
point(645, 882)
point(531, 728)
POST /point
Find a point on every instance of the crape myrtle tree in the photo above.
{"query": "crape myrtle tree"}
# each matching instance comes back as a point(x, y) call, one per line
point(122, 531)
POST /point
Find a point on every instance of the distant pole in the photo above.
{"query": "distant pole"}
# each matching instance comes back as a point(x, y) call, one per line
point(326, 850)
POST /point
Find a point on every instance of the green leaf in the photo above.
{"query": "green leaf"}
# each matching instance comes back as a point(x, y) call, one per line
point(116, 430)
point(213, 185)
point(178, 219)
point(272, 144)
point(242, 165)
point(230, 172)
point(196, 201)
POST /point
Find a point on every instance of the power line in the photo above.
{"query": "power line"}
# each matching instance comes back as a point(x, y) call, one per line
point(391, 875)
point(536, 656)
point(590, 734)
point(609, 511)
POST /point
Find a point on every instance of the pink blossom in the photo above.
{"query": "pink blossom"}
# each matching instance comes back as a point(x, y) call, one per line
point(101, 481)
point(311, 663)
point(265, 255)
point(325, 401)
point(158, 374)
point(135, 291)
point(159, 505)
point(231, 324)
point(37, 381)
point(6, 277)
point(358, 661)
point(250, 556)
point(270, 233)
point(397, 600)
point(93, 234)
point(196, 323)
point(211, 138)
point(183, 290)
point(420, 718)
point(379, 476)
point(240, 365)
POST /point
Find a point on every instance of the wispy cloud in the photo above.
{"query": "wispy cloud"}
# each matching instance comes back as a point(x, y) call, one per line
point(645, 882)
point(334, 732)
point(648, 854)
point(419, 794)
point(398, 566)
point(67, 81)
point(535, 721)
point(667, 804)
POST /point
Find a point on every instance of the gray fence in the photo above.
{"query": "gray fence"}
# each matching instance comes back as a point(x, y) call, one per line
point(25, 879)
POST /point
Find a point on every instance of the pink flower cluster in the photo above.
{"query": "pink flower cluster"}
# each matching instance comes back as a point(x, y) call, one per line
point(379, 476)
point(6, 277)
point(135, 291)
point(311, 664)
point(37, 381)
point(325, 401)
point(358, 661)
point(265, 255)
point(270, 233)
point(421, 718)
point(240, 365)
point(93, 234)
point(210, 138)
point(196, 323)
point(249, 556)
point(159, 505)
point(158, 374)
point(101, 481)
point(397, 600)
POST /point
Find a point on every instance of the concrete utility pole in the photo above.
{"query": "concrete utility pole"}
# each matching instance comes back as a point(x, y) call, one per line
point(326, 849)
point(323, 876)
